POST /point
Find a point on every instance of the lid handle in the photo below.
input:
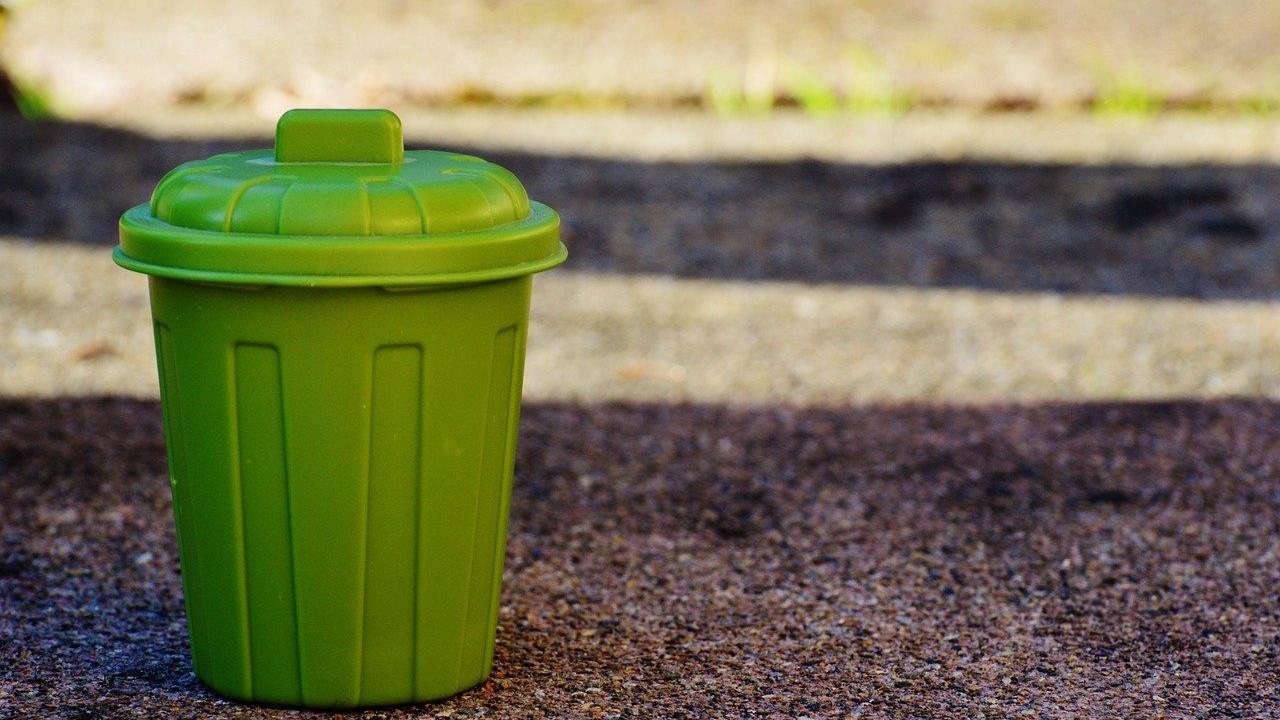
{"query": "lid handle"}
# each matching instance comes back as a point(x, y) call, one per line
point(359, 136)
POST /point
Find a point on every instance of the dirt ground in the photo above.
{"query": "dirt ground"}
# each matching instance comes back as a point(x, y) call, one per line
point(686, 561)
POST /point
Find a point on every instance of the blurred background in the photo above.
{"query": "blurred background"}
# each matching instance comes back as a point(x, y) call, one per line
point(812, 202)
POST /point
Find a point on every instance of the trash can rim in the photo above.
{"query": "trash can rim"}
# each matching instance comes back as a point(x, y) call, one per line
point(154, 247)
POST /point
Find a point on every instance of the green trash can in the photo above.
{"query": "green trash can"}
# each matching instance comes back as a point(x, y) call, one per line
point(340, 331)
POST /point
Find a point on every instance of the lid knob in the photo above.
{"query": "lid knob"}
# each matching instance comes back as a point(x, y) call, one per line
point(359, 136)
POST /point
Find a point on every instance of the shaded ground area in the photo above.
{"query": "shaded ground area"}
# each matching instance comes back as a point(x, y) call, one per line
point(1195, 231)
point(1105, 560)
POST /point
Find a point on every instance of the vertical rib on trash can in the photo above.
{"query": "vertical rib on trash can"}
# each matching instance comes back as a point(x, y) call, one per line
point(390, 626)
point(268, 540)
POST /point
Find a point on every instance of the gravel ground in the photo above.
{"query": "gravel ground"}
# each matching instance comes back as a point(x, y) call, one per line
point(1107, 560)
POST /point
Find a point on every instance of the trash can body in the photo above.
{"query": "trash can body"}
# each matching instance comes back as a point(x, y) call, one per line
point(340, 329)
point(341, 463)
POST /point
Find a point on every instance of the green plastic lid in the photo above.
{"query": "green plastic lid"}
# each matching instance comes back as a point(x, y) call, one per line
point(340, 203)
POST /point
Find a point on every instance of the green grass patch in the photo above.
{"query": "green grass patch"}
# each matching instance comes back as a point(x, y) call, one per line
point(1124, 92)
point(31, 103)
point(871, 89)
point(810, 91)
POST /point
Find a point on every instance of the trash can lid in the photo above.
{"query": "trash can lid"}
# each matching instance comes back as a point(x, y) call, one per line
point(339, 202)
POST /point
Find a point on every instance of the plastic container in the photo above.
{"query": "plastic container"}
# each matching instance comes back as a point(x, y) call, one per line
point(340, 330)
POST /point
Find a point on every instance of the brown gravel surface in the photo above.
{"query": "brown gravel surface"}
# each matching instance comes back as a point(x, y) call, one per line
point(1106, 560)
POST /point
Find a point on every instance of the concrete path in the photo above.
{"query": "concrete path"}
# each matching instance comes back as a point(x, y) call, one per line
point(72, 323)
point(95, 57)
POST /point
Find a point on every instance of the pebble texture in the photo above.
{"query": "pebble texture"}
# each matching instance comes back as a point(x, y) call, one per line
point(688, 561)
